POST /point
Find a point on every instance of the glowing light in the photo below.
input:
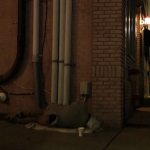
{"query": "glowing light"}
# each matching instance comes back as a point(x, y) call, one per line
point(142, 22)
point(147, 20)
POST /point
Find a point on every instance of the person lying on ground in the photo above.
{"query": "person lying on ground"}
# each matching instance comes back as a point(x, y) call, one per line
point(63, 116)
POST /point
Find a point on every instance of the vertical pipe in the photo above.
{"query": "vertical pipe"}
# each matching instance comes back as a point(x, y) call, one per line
point(36, 27)
point(67, 52)
point(61, 50)
point(55, 52)
point(36, 59)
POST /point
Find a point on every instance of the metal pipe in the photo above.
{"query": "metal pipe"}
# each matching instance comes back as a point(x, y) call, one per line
point(61, 50)
point(67, 52)
point(54, 80)
point(36, 57)
point(36, 27)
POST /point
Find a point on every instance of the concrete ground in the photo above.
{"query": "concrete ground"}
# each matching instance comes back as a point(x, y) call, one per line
point(18, 137)
point(134, 136)
point(131, 139)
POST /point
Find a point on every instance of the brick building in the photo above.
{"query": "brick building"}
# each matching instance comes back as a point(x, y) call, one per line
point(107, 51)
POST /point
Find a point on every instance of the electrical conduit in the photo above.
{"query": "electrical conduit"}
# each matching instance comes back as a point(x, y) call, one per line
point(54, 81)
point(67, 52)
point(61, 50)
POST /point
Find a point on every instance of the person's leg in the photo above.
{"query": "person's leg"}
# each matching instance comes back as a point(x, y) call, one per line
point(38, 115)
point(31, 113)
point(14, 119)
point(24, 117)
point(24, 120)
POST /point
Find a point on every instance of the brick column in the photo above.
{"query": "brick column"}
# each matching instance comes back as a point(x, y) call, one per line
point(107, 58)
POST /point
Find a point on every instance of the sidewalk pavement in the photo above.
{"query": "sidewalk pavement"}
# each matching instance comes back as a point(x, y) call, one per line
point(18, 137)
point(134, 136)
point(131, 139)
point(136, 133)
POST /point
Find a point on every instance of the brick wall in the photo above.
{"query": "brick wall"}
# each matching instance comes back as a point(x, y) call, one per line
point(81, 46)
point(107, 56)
point(8, 40)
point(23, 82)
point(81, 50)
point(97, 56)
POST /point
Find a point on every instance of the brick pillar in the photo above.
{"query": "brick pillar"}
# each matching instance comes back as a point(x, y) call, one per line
point(107, 58)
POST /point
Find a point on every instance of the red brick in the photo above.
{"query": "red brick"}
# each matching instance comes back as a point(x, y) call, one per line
point(110, 4)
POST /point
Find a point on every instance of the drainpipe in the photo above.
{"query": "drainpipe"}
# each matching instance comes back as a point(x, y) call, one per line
point(36, 57)
point(67, 52)
point(55, 52)
point(61, 50)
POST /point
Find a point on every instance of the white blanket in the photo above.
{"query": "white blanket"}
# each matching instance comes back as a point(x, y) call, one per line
point(37, 126)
